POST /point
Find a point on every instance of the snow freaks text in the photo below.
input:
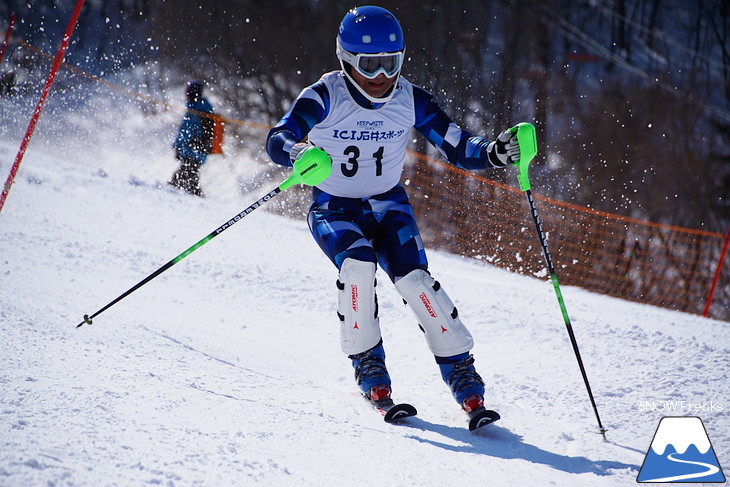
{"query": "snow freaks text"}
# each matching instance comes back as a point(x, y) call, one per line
point(680, 406)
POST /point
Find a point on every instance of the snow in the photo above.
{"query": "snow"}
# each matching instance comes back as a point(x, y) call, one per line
point(226, 369)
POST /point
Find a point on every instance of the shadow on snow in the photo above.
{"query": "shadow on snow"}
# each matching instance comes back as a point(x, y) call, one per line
point(499, 442)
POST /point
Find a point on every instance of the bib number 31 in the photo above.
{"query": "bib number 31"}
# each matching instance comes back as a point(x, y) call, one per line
point(350, 167)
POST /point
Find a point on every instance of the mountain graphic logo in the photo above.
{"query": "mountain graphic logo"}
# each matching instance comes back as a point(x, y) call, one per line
point(681, 452)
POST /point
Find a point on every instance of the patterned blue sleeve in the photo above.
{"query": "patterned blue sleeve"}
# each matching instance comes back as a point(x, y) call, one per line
point(310, 108)
point(458, 146)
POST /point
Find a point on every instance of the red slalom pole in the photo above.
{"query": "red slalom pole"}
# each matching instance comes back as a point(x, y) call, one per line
point(7, 36)
point(706, 312)
point(37, 113)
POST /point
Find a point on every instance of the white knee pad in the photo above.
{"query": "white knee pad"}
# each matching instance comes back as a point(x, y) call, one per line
point(357, 307)
point(446, 335)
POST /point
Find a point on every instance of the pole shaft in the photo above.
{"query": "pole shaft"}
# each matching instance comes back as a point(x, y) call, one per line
point(563, 309)
point(188, 251)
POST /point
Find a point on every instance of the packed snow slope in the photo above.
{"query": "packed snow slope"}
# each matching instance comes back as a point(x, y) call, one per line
point(226, 369)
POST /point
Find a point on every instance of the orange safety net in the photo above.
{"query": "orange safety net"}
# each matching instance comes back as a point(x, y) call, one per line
point(641, 261)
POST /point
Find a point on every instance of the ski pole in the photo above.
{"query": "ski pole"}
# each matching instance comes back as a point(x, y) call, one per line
point(528, 149)
point(312, 168)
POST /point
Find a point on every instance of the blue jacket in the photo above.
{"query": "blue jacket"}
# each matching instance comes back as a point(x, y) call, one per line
point(193, 141)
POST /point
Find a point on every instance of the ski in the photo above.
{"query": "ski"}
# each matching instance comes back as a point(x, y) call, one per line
point(481, 417)
point(391, 411)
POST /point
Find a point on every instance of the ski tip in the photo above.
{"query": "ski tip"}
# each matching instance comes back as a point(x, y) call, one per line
point(400, 412)
point(483, 418)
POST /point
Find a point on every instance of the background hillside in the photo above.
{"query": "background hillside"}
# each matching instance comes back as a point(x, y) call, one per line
point(631, 98)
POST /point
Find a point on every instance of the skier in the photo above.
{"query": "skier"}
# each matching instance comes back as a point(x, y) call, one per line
point(360, 216)
point(194, 139)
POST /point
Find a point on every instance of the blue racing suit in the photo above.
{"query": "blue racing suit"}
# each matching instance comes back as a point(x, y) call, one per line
point(362, 211)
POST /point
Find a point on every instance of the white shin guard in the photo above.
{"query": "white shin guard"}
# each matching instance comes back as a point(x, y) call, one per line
point(446, 335)
point(357, 307)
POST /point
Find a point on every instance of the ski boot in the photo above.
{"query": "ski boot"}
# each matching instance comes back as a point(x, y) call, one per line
point(374, 382)
point(467, 388)
point(371, 374)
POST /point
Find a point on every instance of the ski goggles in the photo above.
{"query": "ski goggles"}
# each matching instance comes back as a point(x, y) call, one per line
point(371, 65)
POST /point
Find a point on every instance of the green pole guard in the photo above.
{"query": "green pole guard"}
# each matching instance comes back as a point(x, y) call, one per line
point(527, 140)
point(313, 167)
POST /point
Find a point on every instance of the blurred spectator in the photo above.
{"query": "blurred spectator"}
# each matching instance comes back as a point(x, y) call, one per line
point(194, 139)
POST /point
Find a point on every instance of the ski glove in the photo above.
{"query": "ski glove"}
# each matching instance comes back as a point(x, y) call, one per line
point(297, 150)
point(505, 150)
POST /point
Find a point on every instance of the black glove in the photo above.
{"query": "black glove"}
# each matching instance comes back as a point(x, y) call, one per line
point(505, 150)
point(297, 150)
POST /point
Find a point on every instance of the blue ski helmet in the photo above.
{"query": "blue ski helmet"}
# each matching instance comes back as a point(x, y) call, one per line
point(370, 40)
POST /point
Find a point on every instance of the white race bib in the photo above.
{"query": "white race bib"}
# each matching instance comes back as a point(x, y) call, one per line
point(367, 147)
